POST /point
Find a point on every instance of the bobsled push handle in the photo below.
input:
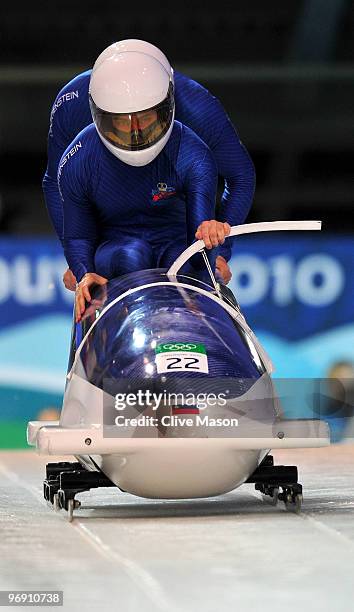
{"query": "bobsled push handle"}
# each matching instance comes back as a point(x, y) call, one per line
point(239, 230)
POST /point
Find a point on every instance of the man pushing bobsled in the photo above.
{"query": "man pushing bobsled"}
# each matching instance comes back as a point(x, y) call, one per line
point(137, 186)
point(195, 107)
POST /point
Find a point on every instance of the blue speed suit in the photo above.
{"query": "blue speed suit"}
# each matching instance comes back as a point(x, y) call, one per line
point(196, 108)
point(120, 218)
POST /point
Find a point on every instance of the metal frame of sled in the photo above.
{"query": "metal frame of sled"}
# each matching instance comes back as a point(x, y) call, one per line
point(51, 439)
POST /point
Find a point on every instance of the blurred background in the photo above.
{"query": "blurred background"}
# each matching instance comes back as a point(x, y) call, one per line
point(284, 71)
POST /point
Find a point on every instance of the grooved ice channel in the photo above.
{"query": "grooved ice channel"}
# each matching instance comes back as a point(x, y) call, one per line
point(234, 552)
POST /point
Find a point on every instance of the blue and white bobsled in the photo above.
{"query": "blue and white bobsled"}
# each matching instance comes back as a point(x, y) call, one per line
point(169, 394)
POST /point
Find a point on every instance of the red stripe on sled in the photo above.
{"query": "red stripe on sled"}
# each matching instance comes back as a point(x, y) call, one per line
point(187, 410)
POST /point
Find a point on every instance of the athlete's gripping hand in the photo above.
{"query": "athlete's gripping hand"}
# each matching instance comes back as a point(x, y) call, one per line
point(83, 291)
point(213, 233)
point(69, 280)
point(223, 270)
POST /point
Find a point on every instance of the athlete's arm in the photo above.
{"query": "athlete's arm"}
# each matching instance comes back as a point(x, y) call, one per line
point(197, 108)
point(200, 188)
point(237, 169)
point(57, 143)
point(79, 221)
point(69, 115)
point(79, 229)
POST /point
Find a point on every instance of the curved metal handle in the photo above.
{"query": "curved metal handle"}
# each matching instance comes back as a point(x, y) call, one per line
point(239, 230)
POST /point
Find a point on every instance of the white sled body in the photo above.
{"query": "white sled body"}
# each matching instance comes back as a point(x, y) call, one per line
point(191, 451)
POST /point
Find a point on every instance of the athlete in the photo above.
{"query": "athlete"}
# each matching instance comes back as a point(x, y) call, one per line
point(194, 106)
point(137, 187)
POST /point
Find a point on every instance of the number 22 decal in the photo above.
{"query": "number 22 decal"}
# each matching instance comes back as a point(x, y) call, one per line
point(187, 363)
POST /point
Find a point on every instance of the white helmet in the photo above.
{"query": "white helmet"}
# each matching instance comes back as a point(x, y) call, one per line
point(132, 103)
point(134, 44)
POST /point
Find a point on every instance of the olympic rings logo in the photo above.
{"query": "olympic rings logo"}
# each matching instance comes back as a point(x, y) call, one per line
point(179, 346)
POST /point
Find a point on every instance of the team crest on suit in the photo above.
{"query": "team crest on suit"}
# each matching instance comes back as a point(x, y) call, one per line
point(162, 192)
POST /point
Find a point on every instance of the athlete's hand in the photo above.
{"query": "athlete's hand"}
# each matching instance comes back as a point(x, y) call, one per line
point(223, 270)
point(69, 280)
point(213, 233)
point(83, 291)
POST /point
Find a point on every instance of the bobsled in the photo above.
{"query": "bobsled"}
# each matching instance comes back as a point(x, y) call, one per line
point(169, 394)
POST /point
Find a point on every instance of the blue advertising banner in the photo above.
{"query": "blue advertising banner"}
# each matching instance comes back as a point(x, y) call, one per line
point(297, 292)
point(31, 280)
point(295, 286)
point(35, 324)
point(292, 287)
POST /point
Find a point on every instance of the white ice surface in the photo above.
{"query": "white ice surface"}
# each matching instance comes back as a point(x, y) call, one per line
point(233, 552)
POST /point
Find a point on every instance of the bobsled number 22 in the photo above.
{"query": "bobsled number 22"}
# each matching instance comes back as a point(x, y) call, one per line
point(180, 361)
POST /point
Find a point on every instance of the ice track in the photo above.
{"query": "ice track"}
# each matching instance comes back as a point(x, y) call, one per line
point(234, 552)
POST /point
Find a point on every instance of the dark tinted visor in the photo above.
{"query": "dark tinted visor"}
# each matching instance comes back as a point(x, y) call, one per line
point(135, 131)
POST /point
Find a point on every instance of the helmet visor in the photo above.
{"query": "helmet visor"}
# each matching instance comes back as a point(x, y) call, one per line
point(138, 130)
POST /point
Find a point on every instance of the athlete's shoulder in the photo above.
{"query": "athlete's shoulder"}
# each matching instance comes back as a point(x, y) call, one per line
point(185, 84)
point(83, 148)
point(188, 91)
point(87, 136)
point(70, 111)
point(77, 85)
point(189, 138)
point(193, 153)
point(199, 109)
point(183, 138)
